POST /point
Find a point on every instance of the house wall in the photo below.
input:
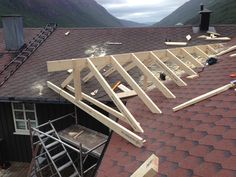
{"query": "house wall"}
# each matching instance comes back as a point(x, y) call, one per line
point(17, 147)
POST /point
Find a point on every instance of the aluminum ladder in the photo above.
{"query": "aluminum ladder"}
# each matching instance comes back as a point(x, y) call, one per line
point(54, 142)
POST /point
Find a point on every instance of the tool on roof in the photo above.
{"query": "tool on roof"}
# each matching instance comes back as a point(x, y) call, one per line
point(205, 96)
point(116, 85)
point(67, 33)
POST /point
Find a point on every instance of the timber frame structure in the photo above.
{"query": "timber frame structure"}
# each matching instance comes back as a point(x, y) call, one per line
point(122, 63)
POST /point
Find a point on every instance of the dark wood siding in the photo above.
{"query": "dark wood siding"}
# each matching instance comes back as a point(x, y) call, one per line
point(17, 147)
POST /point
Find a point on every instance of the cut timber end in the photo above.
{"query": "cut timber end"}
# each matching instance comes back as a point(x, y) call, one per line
point(149, 168)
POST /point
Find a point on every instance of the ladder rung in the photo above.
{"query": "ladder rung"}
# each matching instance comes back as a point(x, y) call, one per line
point(58, 155)
point(74, 174)
point(65, 166)
point(52, 144)
point(49, 132)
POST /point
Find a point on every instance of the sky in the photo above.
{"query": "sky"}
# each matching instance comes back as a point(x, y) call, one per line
point(141, 10)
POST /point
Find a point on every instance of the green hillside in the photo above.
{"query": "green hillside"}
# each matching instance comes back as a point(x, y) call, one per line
point(224, 12)
point(66, 13)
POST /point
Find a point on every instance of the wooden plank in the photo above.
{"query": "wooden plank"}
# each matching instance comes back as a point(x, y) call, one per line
point(167, 70)
point(200, 52)
point(149, 168)
point(152, 77)
point(230, 49)
point(62, 65)
point(181, 64)
point(127, 68)
point(100, 105)
point(67, 80)
point(190, 58)
point(147, 101)
point(176, 43)
point(218, 39)
point(105, 107)
point(77, 81)
point(127, 94)
point(119, 129)
point(123, 88)
point(134, 124)
point(203, 97)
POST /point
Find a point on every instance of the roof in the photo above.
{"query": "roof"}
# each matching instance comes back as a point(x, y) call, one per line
point(29, 81)
point(198, 141)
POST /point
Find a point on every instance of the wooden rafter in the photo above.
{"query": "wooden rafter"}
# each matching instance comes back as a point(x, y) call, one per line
point(143, 96)
point(119, 129)
point(122, 63)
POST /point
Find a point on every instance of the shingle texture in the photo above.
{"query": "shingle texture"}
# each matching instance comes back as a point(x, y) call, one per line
point(199, 140)
point(29, 81)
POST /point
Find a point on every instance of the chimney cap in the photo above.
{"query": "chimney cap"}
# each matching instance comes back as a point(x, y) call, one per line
point(11, 15)
point(205, 10)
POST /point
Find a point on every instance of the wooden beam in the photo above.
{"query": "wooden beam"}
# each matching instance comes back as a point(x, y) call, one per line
point(200, 52)
point(167, 70)
point(176, 43)
point(152, 77)
point(190, 58)
point(62, 65)
point(148, 102)
point(77, 80)
point(112, 69)
point(119, 129)
point(90, 74)
point(218, 39)
point(67, 80)
point(123, 88)
point(149, 168)
point(100, 105)
point(126, 94)
point(134, 124)
point(230, 49)
point(181, 64)
point(204, 96)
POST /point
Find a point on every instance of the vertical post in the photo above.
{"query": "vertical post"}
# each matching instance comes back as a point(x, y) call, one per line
point(77, 81)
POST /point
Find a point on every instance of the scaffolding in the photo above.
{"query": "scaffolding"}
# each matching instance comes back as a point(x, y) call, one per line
point(64, 152)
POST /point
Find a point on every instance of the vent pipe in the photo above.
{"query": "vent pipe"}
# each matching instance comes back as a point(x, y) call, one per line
point(205, 18)
point(13, 31)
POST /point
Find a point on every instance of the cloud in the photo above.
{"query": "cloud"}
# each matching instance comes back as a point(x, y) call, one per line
point(141, 10)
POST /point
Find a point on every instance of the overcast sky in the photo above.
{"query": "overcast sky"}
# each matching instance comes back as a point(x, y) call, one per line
point(141, 10)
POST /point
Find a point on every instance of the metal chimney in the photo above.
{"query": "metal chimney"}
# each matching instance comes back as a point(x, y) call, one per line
point(13, 31)
point(205, 18)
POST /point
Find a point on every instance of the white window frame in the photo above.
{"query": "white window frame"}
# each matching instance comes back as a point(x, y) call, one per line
point(21, 131)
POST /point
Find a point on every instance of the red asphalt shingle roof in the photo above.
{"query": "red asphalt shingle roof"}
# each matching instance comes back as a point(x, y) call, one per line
point(198, 141)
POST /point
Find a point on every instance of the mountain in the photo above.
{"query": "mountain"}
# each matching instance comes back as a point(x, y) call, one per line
point(128, 23)
point(66, 13)
point(223, 12)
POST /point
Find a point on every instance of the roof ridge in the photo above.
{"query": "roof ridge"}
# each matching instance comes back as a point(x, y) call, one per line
point(10, 68)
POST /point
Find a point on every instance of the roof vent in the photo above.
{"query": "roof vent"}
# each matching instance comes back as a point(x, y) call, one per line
point(13, 31)
point(205, 18)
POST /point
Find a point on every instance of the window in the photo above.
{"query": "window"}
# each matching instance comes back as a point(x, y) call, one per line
point(21, 113)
